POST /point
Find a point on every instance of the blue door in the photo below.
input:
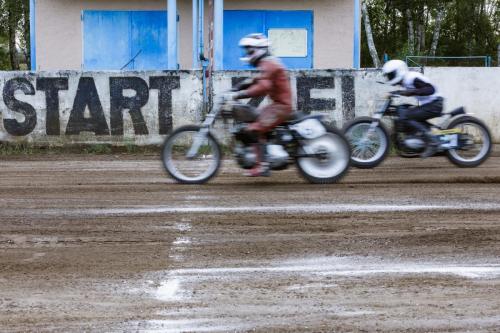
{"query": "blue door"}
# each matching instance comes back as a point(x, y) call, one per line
point(132, 40)
point(297, 24)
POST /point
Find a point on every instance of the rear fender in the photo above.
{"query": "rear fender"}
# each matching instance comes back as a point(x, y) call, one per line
point(452, 119)
point(457, 112)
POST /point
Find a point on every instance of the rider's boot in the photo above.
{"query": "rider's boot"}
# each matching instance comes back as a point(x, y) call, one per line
point(432, 145)
point(431, 141)
point(262, 167)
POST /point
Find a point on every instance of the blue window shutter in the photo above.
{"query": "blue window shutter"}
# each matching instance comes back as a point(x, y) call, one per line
point(106, 40)
point(114, 38)
point(149, 39)
point(293, 19)
point(238, 23)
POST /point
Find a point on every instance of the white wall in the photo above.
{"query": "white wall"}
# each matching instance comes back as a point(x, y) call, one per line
point(477, 89)
point(338, 94)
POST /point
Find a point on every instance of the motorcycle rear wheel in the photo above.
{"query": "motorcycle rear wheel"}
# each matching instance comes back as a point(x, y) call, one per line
point(197, 170)
point(480, 146)
point(335, 160)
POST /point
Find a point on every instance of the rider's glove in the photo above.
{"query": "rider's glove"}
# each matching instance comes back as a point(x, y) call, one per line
point(245, 84)
point(232, 96)
point(402, 92)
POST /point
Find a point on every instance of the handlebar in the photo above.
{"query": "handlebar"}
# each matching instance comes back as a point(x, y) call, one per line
point(395, 94)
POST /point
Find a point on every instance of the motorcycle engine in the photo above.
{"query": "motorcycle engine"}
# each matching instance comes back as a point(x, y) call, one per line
point(414, 143)
point(247, 158)
point(278, 157)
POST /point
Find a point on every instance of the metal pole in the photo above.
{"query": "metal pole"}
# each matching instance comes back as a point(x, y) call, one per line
point(172, 34)
point(357, 35)
point(218, 34)
point(201, 54)
point(211, 16)
point(201, 26)
point(33, 34)
point(196, 58)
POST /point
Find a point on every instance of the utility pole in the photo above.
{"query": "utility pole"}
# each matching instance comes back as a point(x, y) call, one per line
point(211, 19)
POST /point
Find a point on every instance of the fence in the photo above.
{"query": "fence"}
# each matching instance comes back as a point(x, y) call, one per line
point(420, 61)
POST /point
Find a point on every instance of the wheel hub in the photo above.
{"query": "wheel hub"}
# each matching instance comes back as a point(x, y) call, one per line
point(322, 154)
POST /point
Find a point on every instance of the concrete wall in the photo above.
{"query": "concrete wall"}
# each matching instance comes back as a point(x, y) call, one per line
point(142, 107)
point(477, 89)
point(59, 28)
point(72, 107)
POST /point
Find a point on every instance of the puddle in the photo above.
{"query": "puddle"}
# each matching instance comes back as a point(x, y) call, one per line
point(182, 241)
point(183, 227)
point(241, 298)
point(280, 209)
point(190, 325)
point(276, 209)
point(340, 267)
point(167, 290)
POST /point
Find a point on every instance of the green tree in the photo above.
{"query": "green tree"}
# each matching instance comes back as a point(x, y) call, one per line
point(14, 34)
point(433, 27)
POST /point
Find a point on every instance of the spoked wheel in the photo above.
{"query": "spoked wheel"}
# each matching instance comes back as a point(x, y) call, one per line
point(181, 166)
point(331, 162)
point(369, 147)
point(475, 142)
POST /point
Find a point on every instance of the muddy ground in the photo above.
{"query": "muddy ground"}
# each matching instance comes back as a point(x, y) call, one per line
point(111, 244)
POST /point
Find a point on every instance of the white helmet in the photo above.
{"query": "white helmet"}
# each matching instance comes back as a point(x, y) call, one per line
point(394, 71)
point(256, 47)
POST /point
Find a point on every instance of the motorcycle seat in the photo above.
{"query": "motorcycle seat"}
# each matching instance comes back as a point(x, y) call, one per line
point(457, 111)
point(297, 117)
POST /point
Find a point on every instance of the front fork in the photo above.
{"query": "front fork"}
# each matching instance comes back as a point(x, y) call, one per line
point(197, 142)
point(202, 134)
point(373, 126)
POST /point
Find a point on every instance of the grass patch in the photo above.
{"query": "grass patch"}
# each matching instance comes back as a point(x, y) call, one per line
point(20, 149)
point(97, 149)
point(7, 149)
point(24, 148)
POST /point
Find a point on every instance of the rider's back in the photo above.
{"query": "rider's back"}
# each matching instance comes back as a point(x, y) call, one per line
point(273, 81)
point(428, 92)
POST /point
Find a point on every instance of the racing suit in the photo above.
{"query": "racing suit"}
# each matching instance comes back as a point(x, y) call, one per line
point(430, 105)
point(272, 81)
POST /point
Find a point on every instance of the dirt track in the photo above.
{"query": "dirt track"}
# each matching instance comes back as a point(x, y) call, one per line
point(111, 244)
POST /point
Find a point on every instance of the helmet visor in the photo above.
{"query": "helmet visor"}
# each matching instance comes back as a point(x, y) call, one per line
point(390, 76)
point(247, 53)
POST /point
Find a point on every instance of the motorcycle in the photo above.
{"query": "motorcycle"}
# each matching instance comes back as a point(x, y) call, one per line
point(464, 139)
point(192, 154)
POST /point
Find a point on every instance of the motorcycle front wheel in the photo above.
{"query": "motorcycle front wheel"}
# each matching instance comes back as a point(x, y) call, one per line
point(185, 169)
point(369, 147)
point(332, 161)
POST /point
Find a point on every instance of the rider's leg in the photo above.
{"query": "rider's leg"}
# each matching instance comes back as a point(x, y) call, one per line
point(270, 117)
point(415, 118)
point(262, 167)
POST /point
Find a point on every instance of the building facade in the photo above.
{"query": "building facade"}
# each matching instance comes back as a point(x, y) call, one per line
point(164, 34)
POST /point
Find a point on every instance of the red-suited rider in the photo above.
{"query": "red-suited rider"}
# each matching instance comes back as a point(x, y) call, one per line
point(273, 82)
